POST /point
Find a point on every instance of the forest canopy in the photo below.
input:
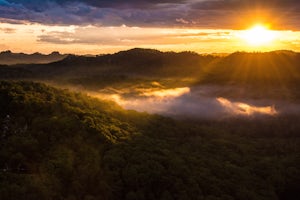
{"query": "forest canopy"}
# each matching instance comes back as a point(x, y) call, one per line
point(57, 144)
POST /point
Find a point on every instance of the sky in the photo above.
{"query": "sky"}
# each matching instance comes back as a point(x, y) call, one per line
point(107, 26)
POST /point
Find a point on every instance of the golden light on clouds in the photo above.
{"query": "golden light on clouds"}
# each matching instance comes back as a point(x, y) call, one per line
point(163, 93)
point(239, 108)
point(152, 100)
point(34, 37)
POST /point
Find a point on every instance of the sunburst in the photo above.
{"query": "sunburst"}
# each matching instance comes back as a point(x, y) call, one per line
point(259, 35)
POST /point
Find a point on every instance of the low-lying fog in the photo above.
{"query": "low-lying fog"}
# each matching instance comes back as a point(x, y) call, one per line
point(200, 102)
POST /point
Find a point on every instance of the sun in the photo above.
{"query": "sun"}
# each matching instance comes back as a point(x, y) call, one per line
point(258, 35)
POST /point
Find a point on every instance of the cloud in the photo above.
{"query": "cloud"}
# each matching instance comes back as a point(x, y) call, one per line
point(145, 4)
point(183, 21)
point(155, 13)
point(280, 14)
point(240, 108)
point(7, 30)
point(291, 5)
point(124, 35)
point(108, 13)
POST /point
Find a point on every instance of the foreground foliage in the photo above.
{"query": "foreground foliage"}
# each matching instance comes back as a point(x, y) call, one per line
point(55, 144)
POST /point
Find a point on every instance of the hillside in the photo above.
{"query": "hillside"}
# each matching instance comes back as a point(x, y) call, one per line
point(272, 68)
point(271, 75)
point(146, 62)
point(56, 144)
point(267, 79)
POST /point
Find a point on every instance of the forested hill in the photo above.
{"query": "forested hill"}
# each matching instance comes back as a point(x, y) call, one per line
point(274, 68)
point(238, 68)
point(241, 75)
point(142, 58)
point(145, 62)
point(56, 144)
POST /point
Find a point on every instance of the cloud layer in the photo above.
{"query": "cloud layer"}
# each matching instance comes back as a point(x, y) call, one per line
point(163, 13)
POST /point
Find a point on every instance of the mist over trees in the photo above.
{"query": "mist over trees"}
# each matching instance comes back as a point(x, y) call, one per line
point(63, 144)
point(57, 144)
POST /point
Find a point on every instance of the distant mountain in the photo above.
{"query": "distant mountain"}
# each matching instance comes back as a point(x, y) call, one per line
point(9, 58)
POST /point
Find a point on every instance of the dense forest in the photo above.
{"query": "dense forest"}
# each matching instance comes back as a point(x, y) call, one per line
point(58, 144)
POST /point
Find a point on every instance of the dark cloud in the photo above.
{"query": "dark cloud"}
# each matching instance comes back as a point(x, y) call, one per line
point(33, 5)
point(38, 5)
point(247, 4)
point(167, 13)
point(107, 13)
point(281, 14)
point(130, 3)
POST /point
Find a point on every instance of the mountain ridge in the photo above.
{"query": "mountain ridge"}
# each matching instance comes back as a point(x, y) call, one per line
point(10, 58)
point(256, 72)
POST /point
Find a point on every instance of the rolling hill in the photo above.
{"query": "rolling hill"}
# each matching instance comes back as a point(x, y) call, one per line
point(254, 75)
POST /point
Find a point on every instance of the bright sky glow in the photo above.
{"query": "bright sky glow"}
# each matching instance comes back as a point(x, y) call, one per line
point(259, 35)
point(90, 39)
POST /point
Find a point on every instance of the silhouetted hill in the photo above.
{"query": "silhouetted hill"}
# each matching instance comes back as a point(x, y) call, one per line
point(277, 69)
point(133, 63)
point(9, 58)
point(146, 62)
point(160, 63)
